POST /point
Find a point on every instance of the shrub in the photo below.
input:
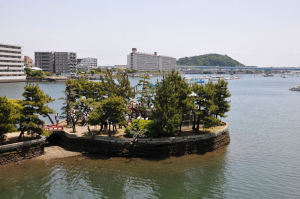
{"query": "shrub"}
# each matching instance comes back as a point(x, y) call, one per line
point(141, 128)
point(47, 133)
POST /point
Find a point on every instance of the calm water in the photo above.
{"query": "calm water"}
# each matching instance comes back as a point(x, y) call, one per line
point(262, 160)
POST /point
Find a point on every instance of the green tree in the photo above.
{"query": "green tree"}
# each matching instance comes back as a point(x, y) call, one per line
point(34, 73)
point(111, 109)
point(9, 114)
point(170, 103)
point(210, 102)
point(220, 98)
point(146, 92)
point(119, 86)
point(34, 104)
point(83, 108)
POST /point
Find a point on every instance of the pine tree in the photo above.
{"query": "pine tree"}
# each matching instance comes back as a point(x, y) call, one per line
point(34, 104)
point(171, 103)
point(119, 86)
point(220, 98)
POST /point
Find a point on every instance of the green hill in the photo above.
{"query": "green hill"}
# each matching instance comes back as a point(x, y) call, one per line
point(208, 60)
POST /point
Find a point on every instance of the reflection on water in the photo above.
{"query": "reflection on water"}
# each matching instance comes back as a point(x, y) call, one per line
point(177, 177)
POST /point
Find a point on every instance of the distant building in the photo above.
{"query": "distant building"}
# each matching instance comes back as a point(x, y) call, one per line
point(65, 62)
point(150, 62)
point(11, 63)
point(45, 61)
point(56, 62)
point(87, 63)
point(28, 62)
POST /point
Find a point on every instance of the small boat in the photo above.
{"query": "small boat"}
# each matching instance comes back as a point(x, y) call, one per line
point(295, 88)
point(268, 75)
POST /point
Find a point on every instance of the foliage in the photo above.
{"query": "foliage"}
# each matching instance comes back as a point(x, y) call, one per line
point(47, 134)
point(34, 73)
point(147, 91)
point(170, 103)
point(111, 109)
point(120, 86)
point(141, 128)
point(127, 70)
point(34, 104)
point(208, 60)
point(80, 89)
point(221, 94)
point(9, 114)
point(210, 102)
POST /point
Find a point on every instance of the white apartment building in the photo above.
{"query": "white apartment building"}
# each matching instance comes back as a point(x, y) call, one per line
point(87, 63)
point(11, 63)
point(150, 62)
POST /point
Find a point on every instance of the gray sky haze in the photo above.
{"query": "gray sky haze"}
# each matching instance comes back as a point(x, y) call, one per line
point(254, 32)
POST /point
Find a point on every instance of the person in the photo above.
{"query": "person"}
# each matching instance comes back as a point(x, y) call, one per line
point(57, 118)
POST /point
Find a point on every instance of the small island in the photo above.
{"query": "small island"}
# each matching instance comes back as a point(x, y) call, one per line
point(208, 60)
point(112, 118)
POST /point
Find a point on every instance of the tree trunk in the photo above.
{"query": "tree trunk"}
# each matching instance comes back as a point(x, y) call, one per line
point(109, 129)
point(101, 128)
point(194, 121)
point(198, 123)
point(89, 130)
point(20, 136)
point(50, 119)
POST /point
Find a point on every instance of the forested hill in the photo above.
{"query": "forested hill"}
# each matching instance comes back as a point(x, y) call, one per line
point(208, 60)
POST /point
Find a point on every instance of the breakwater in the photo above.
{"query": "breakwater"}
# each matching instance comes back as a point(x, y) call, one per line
point(143, 147)
point(21, 150)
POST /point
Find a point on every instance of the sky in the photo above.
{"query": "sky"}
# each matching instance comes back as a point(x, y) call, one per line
point(255, 32)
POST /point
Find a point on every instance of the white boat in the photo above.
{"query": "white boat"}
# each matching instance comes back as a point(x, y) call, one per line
point(295, 88)
point(268, 75)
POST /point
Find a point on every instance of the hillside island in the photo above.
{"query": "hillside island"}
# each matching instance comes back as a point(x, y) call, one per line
point(208, 60)
point(112, 118)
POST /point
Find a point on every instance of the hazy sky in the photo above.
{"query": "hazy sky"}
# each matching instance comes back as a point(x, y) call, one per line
point(255, 32)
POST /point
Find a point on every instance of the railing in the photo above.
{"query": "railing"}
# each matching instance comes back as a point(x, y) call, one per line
point(52, 127)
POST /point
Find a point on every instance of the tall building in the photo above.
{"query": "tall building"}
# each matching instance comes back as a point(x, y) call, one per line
point(45, 61)
point(65, 62)
point(87, 63)
point(56, 62)
point(28, 62)
point(150, 62)
point(11, 63)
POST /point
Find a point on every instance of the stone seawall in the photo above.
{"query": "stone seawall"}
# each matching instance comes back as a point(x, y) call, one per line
point(21, 150)
point(143, 147)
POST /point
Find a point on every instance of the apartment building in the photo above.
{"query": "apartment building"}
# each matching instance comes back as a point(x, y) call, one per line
point(60, 63)
point(87, 63)
point(11, 63)
point(65, 62)
point(150, 62)
point(45, 61)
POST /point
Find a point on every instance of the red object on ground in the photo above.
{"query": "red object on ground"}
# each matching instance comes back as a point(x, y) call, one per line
point(52, 127)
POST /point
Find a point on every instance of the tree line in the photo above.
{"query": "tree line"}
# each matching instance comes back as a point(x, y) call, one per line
point(166, 105)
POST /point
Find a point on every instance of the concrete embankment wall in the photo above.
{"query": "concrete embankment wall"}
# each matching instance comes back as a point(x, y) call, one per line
point(21, 150)
point(143, 147)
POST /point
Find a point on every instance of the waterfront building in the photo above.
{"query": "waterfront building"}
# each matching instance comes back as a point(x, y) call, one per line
point(28, 62)
point(87, 63)
point(150, 62)
point(65, 63)
point(45, 61)
point(11, 63)
point(56, 62)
